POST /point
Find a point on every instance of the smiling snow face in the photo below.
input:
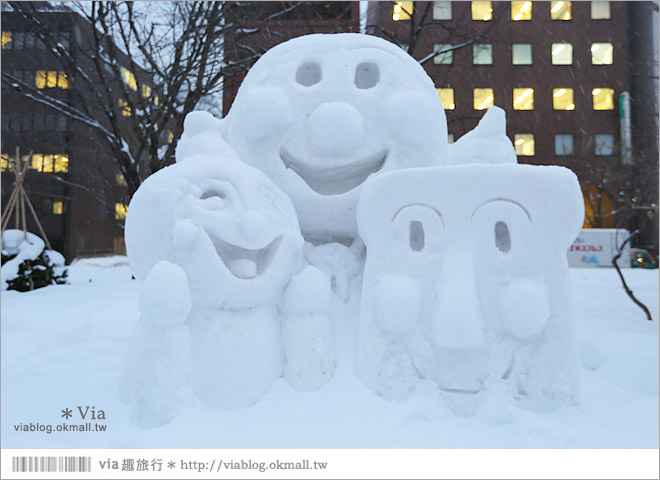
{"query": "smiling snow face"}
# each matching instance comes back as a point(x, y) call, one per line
point(320, 114)
point(231, 230)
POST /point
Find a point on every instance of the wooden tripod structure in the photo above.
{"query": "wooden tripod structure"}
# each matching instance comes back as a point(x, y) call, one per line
point(16, 206)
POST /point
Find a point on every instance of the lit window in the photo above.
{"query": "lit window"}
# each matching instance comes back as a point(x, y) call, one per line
point(146, 91)
point(6, 40)
point(603, 98)
point(446, 58)
point(447, 97)
point(562, 53)
point(402, 11)
point(600, 10)
point(58, 207)
point(524, 144)
point(156, 101)
point(441, 10)
point(604, 144)
point(120, 211)
point(450, 138)
point(120, 179)
point(482, 54)
point(602, 53)
point(170, 136)
point(483, 98)
point(523, 99)
point(521, 54)
point(61, 163)
point(49, 163)
point(562, 99)
point(37, 162)
point(521, 11)
point(125, 107)
point(129, 78)
point(482, 11)
point(563, 144)
point(4, 162)
point(51, 79)
point(560, 10)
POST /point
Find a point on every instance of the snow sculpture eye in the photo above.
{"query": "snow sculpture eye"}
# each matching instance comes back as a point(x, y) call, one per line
point(367, 75)
point(213, 193)
point(308, 74)
point(416, 236)
point(502, 237)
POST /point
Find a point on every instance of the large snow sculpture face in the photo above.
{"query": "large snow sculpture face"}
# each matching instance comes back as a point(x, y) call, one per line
point(466, 280)
point(319, 114)
point(231, 230)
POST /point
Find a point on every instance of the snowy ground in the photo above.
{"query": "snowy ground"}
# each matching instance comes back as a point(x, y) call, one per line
point(63, 346)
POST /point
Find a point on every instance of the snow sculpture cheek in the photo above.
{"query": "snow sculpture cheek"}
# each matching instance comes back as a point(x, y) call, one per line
point(316, 115)
point(480, 252)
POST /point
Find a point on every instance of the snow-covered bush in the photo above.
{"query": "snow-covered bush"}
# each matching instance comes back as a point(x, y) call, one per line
point(26, 264)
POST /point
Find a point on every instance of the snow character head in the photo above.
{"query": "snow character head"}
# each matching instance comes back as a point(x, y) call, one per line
point(466, 282)
point(321, 113)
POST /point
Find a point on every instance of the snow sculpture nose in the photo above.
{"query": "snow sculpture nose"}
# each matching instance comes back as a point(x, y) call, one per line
point(335, 128)
point(458, 322)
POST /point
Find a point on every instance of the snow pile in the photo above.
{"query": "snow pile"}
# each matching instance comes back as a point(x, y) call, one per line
point(487, 143)
point(26, 264)
point(321, 113)
point(465, 282)
point(233, 245)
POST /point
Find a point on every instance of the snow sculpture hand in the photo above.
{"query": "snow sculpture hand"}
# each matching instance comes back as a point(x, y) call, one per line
point(466, 284)
point(307, 332)
point(157, 377)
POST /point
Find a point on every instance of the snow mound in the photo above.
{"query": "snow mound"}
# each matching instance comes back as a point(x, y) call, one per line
point(467, 287)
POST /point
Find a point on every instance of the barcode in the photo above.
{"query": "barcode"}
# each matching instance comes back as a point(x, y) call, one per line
point(51, 464)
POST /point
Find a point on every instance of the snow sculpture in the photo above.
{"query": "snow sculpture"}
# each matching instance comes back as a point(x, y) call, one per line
point(321, 113)
point(157, 375)
point(465, 282)
point(236, 237)
point(486, 143)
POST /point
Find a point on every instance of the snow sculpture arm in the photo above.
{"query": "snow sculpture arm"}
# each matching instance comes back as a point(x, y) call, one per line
point(307, 332)
point(157, 372)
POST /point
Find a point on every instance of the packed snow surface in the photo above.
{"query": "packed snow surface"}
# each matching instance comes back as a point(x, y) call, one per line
point(64, 346)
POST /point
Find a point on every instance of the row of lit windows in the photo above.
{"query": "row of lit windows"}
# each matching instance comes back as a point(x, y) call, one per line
point(564, 144)
point(29, 40)
point(520, 11)
point(42, 78)
point(602, 53)
point(131, 81)
point(48, 163)
point(33, 122)
point(523, 98)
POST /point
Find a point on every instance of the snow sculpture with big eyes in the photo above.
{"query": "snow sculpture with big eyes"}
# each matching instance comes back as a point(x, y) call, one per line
point(469, 286)
point(257, 312)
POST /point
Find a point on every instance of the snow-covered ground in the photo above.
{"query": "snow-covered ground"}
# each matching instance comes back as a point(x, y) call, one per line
point(63, 346)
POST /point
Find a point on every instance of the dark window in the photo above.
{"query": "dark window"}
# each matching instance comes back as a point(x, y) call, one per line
point(38, 122)
point(19, 40)
point(50, 122)
point(5, 122)
point(26, 122)
point(61, 123)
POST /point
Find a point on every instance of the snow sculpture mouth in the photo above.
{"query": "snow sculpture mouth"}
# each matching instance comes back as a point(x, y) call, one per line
point(245, 263)
point(334, 180)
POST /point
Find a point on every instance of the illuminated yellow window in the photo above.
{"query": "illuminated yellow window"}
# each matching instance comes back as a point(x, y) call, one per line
point(603, 98)
point(447, 97)
point(37, 162)
point(524, 144)
point(521, 11)
point(125, 107)
point(61, 163)
point(6, 39)
point(58, 207)
point(62, 80)
point(51, 79)
point(602, 53)
point(170, 136)
point(523, 99)
point(120, 211)
point(562, 99)
point(156, 100)
point(402, 11)
point(49, 163)
point(129, 78)
point(146, 90)
point(120, 179)
point(40, 78)
point(483, 98)
point(4, 162)
point(600, 10)
point(560, 10)
point(482, 11)
point(562, 53)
